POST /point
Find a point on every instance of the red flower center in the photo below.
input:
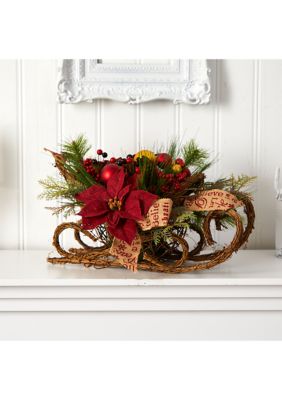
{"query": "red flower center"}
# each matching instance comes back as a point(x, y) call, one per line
point(114, 204)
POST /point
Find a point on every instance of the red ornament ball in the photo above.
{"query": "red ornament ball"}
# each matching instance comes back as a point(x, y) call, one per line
point(108, 171)
point(112, 160)
point(164, 159)
point(99, 152)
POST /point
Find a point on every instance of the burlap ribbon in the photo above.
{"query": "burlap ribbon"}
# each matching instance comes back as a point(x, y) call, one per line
point(212, 200)
point(126, 253)
point(158, 216)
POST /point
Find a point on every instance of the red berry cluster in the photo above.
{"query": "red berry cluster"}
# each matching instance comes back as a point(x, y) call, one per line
point(183, 175)
point(168, 177)
point(88, 165)
point(92, 167)
point(180, 162)
point(172, 173)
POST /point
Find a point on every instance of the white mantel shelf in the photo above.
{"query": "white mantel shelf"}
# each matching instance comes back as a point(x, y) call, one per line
point(30, 268)
point(241, 299)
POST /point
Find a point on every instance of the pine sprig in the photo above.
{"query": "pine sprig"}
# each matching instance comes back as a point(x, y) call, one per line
point(183, 221)
point(64, 191)
point(184, 217)
point(173, 148)
point(73, 152)
point(194, 155)
point(66, 209)
point(54, 189)
point(242, 181)
point(147, 177)
point(76, 149)
point(221, 184)
point(239, 186)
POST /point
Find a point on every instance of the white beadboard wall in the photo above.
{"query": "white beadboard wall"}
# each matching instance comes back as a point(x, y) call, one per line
point(243, 124)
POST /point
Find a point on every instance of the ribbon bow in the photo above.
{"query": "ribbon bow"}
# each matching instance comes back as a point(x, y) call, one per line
point(157, 216)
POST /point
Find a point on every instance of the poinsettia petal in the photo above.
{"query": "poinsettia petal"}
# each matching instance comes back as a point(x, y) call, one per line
point(115, 183)
point(92, 222)
point(94, 192)
point(131, 180)
point(131, 207)
point(146, 200)
point(123, 192)
point(113, 218)
point(125, 230)
point(94, 208)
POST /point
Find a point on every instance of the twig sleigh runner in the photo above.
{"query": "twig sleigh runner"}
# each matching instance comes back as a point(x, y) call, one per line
point(139, 211)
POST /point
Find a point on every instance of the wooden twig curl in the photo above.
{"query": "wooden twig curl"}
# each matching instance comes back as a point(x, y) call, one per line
point(100, 257)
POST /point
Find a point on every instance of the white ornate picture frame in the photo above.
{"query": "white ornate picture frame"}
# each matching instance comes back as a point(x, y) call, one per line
point(181, 81)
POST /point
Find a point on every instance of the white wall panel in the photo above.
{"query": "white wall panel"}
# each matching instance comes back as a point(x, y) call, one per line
point(269, 148)
point(9, 162)
point(39, 127)
point(236, 120)
point(242, 125)
point(200, 123)
point(157, 123)
point(80, 118)
point(77, 119)
point(236, 116)
point(118, 128)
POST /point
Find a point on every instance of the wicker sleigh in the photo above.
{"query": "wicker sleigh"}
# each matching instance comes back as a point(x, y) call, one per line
point(175, 257)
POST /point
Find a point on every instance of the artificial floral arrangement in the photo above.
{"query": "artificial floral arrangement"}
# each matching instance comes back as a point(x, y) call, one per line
point(140, 210)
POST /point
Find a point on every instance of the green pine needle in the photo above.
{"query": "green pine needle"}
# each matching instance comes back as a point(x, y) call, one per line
point(239, 186)
point(183, 221)
point(242, 181)
point(73, 152)
point(173, 149)
point(54, 189)
point(66, 209)
point(76, 149)
point(193, 155)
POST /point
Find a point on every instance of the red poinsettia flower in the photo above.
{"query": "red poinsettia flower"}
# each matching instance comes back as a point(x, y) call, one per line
point(119, 205)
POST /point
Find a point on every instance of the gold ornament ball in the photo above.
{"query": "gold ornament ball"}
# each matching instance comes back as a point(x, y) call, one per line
point(145, 153)
point(177, 168)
